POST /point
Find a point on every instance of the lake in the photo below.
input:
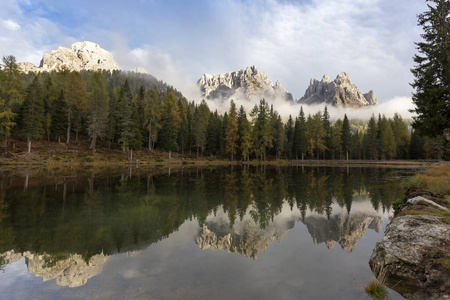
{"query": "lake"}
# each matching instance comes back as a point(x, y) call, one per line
point(235, 232)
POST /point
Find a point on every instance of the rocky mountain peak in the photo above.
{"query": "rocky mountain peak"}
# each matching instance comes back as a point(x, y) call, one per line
point(249, 83)
point(340, 92)
point(80, 56)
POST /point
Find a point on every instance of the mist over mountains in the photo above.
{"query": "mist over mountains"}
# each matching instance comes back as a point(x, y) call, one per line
point(245, 86)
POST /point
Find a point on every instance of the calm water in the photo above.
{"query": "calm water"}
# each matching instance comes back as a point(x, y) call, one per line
point(207, 233)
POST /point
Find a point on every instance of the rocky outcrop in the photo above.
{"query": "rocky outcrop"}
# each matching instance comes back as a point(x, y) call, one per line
point(414, 255)
point(72, 271)
point(340, 92)
point(346, 229)
point(249, 84)
point(80, 56)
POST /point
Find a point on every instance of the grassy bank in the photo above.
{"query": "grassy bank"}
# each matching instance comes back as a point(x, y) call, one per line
point(435, 179)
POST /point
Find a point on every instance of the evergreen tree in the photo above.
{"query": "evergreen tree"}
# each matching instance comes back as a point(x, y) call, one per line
point(245, 134)
point(289, 133)
point(336, 141)
point(346, 136)
point(279, 137)
point(170, 124)
point(300, 135)
point(10, 96)
point(262, 133)
point(432, 71)
point(97, 108)
point(327, 129)
point(401, 135)
point(387, 140)
point(58, 111)
point(370, 139)
point(231, 133)
point(75, 96)
point(32, 114)
point(183, 133)
point(151, 113)
point(416, 147)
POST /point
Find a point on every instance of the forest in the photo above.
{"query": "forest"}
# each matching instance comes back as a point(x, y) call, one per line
point(133, 111)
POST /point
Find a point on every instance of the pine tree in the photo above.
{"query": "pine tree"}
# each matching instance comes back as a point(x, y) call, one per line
point(245, 134)
point(401, 135)
point(10, 96)
point(346, 136)
point(76, 97)
point(327, 129)
point(231, 132)
point(370, 139)
point(289, 134)
point(300, 135)
point(170, 124)
point(58, 111)
point(183, 133)
point(432, 71)
point(32, 113)
point(97, 107)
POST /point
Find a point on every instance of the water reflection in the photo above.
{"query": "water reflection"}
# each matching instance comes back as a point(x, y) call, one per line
point(66, 225)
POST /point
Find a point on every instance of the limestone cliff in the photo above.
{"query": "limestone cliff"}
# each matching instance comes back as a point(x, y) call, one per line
point(249, 84)
point(340, 92)
point(80, 56)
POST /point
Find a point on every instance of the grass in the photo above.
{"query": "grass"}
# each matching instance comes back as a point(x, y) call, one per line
point(436, 179)
point(376, 289)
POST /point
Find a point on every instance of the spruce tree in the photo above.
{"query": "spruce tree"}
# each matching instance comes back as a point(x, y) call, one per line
point(32, 113)
point(58, 111)
point(346, 136)
point(170, 124)
point(98, 108)
point(231, 132)
point(432, 71)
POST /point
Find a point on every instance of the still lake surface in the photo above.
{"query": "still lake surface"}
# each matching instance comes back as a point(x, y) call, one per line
point(193, 233)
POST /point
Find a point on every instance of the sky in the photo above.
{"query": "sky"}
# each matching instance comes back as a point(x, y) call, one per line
point(177, 41)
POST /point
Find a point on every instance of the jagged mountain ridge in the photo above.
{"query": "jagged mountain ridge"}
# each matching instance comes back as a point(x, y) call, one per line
point(340, 92)
point(250, 84)
point(80, 56)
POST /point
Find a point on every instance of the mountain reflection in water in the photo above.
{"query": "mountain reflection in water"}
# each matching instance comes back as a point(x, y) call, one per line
point(66, 225)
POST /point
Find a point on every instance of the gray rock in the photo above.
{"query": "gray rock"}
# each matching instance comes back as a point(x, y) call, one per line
point(409, 256)
point(340, 92)
point(249, 84)
point(80, 56)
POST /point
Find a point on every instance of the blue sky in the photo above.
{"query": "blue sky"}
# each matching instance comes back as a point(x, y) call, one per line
point(178, 41)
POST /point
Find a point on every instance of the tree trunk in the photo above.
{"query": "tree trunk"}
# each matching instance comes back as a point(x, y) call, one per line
point(170, 154)
point(68, 128)
point(231, 156)
point(131, 155)
point(347, 154)
point(94, 141)
point(76, 136)
point(302, 155)
point(150, 136)
point(29, 145)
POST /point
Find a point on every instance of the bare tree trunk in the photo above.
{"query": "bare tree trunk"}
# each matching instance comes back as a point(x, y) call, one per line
point(29, 145)
point(347, 154)
point(150, 136)
point(68, 128)
point(94, 141)
point(170, 154)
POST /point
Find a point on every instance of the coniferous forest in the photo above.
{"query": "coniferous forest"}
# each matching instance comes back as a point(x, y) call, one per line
point(132, 111)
